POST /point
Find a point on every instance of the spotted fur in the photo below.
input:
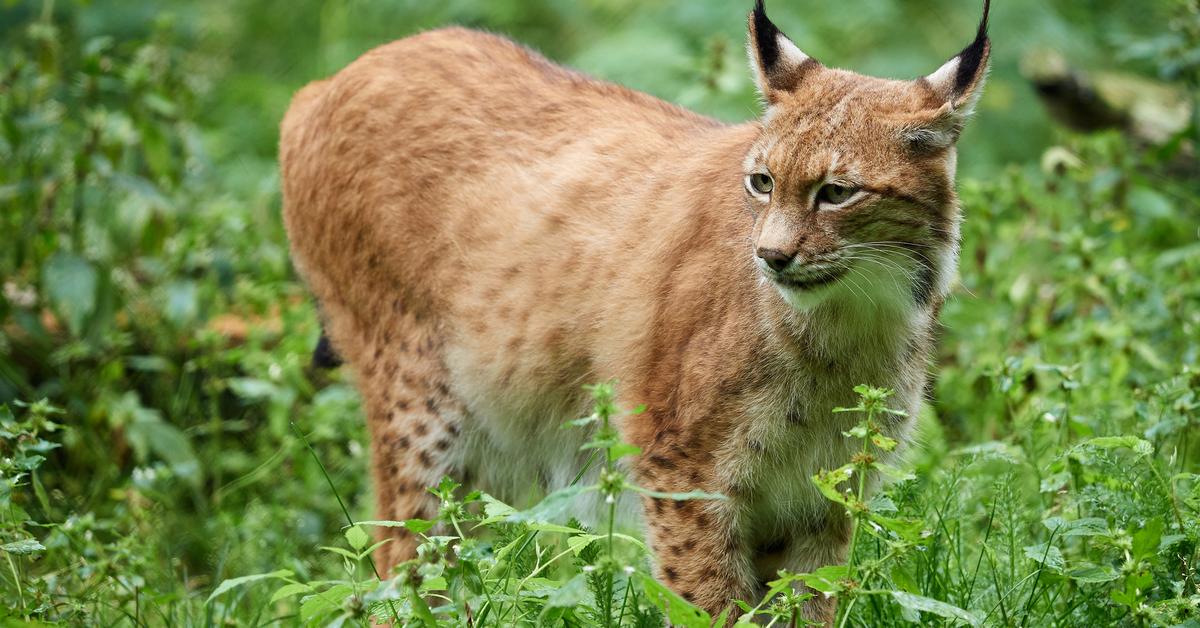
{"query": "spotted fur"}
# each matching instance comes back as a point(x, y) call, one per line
point(487, 231)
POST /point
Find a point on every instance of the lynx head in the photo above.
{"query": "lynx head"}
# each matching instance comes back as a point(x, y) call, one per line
point(851, 181)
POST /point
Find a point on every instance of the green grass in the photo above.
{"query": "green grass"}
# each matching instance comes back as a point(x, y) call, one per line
point(187, 467)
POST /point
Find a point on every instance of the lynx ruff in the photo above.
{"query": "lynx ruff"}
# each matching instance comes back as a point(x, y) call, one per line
point(486, 231)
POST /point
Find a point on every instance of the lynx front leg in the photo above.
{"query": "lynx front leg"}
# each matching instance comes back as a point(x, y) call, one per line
point(699, 551)
point(811, 549)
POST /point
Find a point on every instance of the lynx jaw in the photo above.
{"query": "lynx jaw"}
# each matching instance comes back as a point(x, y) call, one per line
point(810, 279)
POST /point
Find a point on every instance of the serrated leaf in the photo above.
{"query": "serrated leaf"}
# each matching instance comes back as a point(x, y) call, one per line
point(1047, 555)
point(896, 474)
point(323, 602)
point(993, 450)
point(827, 482)
point(1139, 446)
point(1093, 574)
point(571, 594)
point(357, 538)
point(904, 580)
point(907, 529)
point(885, 443)
point(1088, 526)
point(552, 508)
point(935, 607)
point(24, 547)
point(496, 509)
point(882, 503)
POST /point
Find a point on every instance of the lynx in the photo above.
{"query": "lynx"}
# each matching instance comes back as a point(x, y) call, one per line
point(486, 232)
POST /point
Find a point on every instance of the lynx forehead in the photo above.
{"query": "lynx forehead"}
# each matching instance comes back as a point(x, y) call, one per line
point(741, 297)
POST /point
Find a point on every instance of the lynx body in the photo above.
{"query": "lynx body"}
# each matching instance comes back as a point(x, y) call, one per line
point(486, 232)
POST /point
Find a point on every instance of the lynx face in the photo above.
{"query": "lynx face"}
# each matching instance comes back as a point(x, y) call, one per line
point(852, 179)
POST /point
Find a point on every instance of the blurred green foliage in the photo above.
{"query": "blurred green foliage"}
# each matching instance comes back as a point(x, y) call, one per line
point(147, 294)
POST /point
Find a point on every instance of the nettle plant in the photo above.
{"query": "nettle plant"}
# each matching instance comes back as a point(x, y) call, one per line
point(1054, 526)
point(482, 562)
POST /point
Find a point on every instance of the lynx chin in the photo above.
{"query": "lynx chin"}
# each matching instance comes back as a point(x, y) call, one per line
point(486, 231)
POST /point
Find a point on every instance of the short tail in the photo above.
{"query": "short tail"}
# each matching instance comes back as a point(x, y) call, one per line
point(324, 356)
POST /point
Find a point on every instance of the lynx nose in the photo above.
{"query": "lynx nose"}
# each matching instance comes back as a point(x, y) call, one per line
point(777, 260)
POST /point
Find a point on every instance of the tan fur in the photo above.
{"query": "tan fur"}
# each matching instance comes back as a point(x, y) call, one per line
point(486, 232)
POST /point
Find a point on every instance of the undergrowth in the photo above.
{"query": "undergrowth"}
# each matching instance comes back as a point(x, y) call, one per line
point(186, 467)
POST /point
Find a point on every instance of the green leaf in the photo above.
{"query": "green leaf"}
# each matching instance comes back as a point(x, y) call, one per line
point(252, 389)
point(416, 526)
point(233, 583)
point(904, 580)
point(827, 482)
point(884, 442)
point(324, 602)
point(895, 474)
point(288, 590)
point(935, 607)
point(69, 281)
point(357, 538)
point(1093, 574)
point(345, 553)
point(992, 450)
point(679, 612)
point(496, 509)
point(907, 529)
point(553, 507)
point(1047, 555)
point(1088, 526)
point(437, 583)
point(554, 527)
point(573, 593)
point(1146, 541)
point(1139, 446)
point(827, 579)
point(23, 547)
point(621, 450)
point(183, 302)
point(679, 497)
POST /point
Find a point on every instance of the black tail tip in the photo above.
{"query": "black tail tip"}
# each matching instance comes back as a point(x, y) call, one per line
point(324, 356)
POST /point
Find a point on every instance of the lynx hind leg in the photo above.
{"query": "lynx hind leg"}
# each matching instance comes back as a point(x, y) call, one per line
point(414, 424)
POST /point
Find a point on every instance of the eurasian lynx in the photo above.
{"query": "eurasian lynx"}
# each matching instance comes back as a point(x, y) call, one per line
point(487, 231)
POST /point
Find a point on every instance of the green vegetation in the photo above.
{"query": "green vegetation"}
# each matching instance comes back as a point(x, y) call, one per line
point(167, 457)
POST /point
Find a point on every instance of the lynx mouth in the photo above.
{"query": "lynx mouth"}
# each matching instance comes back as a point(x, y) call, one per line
point(811, 280)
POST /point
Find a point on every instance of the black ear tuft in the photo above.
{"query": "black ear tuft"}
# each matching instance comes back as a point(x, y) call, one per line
point(766, 37)
point(972, 56)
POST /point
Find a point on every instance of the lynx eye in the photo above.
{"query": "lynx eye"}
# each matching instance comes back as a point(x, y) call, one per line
point(760, 183)
point(834, 194)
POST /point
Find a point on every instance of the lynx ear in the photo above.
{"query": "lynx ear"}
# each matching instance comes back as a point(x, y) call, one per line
point(958, 85)
point(778, 63)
